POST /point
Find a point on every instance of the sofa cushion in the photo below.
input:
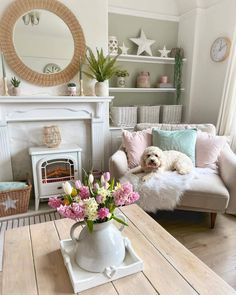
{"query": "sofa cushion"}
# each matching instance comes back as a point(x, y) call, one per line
point(207, 192)
point(134, 144)
point(208, 148)
point(183, 141)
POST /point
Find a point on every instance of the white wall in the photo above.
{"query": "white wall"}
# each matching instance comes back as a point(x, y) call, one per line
point(204, 96)
point(93, 17)
point(150, 8)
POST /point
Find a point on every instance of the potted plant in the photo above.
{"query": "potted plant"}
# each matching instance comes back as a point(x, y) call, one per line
point(121, 75)
point(101, 68)
point(16, 86)
point(71, 89)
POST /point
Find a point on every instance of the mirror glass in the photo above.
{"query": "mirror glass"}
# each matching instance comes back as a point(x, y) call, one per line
point(43, 41)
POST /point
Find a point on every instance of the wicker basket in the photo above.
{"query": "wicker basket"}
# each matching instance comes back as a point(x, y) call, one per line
point(124, 116)
point(148, 114)
point(21, 196)
point(172, 114)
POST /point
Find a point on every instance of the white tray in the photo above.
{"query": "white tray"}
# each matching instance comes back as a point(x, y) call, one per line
point(82, 280)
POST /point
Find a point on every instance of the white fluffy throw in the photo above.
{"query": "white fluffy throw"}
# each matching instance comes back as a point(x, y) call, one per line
point(162, 191)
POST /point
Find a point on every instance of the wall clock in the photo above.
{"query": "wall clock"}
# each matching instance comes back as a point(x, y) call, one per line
point(51, 68)
point(220, 49)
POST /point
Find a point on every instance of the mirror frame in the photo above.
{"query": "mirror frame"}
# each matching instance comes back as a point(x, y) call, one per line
point(16, 10)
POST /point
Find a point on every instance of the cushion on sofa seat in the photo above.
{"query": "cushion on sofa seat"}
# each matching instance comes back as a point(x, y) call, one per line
point(207, 192)
point(208, 148)
point(183, 141)
point(134, 144)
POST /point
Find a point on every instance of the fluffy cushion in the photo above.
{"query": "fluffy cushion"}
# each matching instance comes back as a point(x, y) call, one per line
point(183, 141)
point(135, 143)
point(208, 148)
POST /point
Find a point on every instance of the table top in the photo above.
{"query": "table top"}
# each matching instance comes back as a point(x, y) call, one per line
point(33, 264)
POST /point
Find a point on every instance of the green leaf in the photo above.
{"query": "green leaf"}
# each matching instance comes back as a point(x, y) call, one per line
point(90, 225)
point(101, 67)
point(119, 220)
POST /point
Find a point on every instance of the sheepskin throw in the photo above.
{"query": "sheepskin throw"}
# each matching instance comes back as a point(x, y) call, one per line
point(163, 191)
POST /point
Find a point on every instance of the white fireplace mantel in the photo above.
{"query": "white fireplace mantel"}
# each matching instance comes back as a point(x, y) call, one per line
point(14, 109)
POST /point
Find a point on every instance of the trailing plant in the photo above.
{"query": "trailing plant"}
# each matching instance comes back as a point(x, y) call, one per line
point(101, 67)
point(71, 84)
point(178, 72)
point(15, 82)
point(122, 73)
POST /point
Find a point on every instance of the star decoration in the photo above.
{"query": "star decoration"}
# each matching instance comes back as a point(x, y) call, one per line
point(143, 43)
point(164, 52)
point(9, 203)
point(124, 49)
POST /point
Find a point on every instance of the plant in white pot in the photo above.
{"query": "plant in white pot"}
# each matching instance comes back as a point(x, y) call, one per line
point(101, 68)
point(71, 89)
point(121, 75)
point(16, 86)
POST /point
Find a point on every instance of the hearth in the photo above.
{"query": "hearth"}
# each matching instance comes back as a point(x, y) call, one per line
point(53, 166)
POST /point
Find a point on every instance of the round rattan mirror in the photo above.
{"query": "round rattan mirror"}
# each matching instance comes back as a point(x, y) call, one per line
point(15, 13)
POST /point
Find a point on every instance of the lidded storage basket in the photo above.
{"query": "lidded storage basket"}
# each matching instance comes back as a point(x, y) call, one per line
point(124, 116)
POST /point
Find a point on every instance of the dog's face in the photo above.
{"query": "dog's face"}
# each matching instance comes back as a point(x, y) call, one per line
point(152, 158)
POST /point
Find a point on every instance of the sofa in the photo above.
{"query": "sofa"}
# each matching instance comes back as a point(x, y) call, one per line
point(211, 193)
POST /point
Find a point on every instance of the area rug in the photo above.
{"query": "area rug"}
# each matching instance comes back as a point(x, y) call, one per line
point(14, 222)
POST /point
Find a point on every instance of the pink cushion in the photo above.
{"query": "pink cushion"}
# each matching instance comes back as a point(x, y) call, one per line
point(208, 148)
point(135, 143)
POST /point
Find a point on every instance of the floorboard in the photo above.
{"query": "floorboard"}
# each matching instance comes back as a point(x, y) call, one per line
point(215, 247)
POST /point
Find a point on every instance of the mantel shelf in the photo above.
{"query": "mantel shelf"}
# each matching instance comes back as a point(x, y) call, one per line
point(120, 89)
point(49, 99)
point(146, 59)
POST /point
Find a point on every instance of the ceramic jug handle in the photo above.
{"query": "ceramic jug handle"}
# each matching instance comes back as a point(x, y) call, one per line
point(73, 228)
point(121, 216)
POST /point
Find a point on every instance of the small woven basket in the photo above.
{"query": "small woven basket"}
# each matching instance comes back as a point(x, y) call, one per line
point(149, 114)
point(172, 114)
point(21, 196)
point(124, 116)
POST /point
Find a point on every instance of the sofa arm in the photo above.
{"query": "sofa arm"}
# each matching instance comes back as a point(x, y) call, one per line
point(227, 166)
point(118, 164)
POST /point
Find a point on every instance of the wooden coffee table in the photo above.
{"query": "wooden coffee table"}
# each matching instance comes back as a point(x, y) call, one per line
point(33, 262)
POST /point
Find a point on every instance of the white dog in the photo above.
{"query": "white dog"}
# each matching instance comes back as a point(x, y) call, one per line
point(154, 160)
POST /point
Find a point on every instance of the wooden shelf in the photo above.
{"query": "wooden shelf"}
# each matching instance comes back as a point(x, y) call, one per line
point(120, 89)
point(146, 59)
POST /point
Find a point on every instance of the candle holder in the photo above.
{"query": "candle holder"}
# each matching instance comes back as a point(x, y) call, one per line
point(5, 86)
point(81, 89)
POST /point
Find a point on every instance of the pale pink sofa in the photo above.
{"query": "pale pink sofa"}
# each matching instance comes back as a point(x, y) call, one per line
point(208, 193)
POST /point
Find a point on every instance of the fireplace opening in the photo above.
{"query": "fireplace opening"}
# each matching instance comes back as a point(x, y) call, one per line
point(57, 170)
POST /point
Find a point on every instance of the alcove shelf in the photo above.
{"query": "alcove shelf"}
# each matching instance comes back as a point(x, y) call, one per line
point(143, 90)
point(145, 59)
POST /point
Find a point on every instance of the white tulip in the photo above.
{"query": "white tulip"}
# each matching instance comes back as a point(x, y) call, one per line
point(91, 178)
point(67, 188)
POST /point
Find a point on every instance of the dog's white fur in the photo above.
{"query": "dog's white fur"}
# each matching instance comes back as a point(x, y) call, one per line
point(154, 160)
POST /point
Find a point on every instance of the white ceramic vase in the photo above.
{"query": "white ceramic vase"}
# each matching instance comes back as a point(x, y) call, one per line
point(101, 249)
point(101, 89)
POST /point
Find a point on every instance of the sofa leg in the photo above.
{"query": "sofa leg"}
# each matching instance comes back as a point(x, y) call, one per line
point(213, 219)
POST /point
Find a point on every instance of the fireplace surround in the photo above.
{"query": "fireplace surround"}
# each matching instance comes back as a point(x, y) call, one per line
point(16, 112)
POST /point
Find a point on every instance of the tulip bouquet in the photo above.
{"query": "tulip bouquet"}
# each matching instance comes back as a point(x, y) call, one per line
point(94, 201)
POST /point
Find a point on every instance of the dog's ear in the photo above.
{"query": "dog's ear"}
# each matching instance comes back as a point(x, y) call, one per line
point(142, 160)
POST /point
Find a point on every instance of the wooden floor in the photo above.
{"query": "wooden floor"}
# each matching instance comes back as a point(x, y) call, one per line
point(215, 247)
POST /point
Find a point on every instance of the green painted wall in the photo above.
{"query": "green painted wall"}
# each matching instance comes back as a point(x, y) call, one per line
point(165, 33)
